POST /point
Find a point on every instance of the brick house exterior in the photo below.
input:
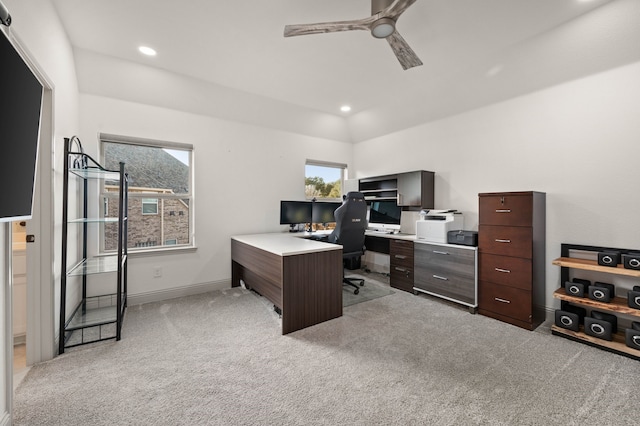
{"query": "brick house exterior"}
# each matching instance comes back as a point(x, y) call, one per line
point(152, 171)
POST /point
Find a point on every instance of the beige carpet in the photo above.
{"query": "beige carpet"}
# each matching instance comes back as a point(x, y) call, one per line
point(219, 359)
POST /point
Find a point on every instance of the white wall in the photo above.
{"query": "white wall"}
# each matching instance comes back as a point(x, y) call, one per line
point(241, 174)
point(578, 142)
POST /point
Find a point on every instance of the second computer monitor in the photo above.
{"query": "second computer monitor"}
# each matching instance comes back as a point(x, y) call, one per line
point(322, 211)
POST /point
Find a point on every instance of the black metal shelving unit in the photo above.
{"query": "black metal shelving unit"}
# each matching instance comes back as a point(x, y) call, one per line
point(93, 316)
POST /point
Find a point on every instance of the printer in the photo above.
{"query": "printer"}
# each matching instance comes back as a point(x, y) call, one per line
point(434, 225)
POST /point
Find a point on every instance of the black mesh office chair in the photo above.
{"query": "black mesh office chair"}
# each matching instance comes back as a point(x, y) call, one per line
point(351, 222)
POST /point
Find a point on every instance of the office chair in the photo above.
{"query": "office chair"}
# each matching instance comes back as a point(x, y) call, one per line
point(351, 222)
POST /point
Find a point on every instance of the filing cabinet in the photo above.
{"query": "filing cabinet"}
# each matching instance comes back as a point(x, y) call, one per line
point(447, 271)
point(511, 247)
point(401, 264)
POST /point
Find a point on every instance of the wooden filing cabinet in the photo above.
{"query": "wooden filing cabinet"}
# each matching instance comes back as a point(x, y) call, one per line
point(511, 267)
point(447, 271)
point(401, 264)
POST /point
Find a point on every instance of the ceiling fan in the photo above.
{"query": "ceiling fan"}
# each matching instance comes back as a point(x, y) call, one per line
point(381, 23)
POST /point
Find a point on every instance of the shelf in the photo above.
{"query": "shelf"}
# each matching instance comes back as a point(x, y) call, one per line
point(618, 304)
point(94, 316)
point(95, 220)
point(380, 198)
point(95, 265)
point(616, 345)
point(374, 191)
point(592, 265)
point(94, 173)
point(94, 311)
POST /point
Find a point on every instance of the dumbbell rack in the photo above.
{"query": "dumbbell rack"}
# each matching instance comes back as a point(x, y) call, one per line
point(617, 306)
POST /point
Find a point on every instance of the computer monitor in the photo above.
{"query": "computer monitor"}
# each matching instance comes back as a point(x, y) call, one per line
point(384, 215)
point(295, 212)
point(322, 211)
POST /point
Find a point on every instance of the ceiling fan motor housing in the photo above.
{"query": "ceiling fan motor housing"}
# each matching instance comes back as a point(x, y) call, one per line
point(378, 5)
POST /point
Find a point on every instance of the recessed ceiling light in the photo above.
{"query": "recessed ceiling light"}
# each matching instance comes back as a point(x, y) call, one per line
point(345, 108)
point(145, 50)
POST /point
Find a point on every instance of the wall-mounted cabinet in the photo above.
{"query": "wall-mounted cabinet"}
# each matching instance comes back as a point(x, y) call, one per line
point(410, 189)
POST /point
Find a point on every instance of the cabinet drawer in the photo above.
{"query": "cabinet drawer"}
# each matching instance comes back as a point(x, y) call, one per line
point(506, 240)
point(506, 209)
point(401, 278)
point(505, 270)
point(401, 253)
point(509, 301)
point(448, 258)
point(453, 285)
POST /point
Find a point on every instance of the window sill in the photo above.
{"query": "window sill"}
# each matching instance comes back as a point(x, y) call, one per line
point(159, 251)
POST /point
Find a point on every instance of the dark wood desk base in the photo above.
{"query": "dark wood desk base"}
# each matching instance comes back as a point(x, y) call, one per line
point(306, 287)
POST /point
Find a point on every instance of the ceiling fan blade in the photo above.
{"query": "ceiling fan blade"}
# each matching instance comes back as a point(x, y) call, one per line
point(404, 53)
point(328, 27)
point(397, 8)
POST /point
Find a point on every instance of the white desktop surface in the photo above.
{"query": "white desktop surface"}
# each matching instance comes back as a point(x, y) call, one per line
point(284, 245)
point(399, 236)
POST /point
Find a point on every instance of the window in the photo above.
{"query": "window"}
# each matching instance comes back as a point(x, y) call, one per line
point(160, 192)
point(150, 206)
point(323, 180)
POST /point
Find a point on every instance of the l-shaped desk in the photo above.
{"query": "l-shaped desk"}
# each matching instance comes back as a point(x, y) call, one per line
point(301, 277)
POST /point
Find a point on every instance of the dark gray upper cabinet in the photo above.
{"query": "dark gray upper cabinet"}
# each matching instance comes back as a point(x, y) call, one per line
point(410, 189)
point(415, 189)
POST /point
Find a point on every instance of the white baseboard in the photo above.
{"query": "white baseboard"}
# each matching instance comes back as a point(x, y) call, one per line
point(172, 293)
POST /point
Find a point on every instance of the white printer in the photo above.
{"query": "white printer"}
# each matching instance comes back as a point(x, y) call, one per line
point(434, 225)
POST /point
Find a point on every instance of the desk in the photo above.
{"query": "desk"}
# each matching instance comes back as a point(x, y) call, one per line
point(302, 277)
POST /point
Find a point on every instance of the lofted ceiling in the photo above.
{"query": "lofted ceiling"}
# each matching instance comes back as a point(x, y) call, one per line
point(475, 52)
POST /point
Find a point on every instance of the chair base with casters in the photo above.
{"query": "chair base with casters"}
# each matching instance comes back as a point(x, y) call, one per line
point(353, 282)
point(350, 281)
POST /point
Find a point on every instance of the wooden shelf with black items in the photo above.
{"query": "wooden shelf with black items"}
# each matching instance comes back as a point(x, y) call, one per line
point(618, 305)
point(95, 316)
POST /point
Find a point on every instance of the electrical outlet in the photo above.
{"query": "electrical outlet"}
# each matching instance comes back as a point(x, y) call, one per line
point(157, 272)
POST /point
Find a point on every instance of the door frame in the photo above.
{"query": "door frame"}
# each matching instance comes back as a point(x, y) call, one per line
point(40, 254)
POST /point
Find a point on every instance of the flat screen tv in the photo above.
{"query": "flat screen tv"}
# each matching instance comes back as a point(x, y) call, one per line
point(384, 215)
point(20, 108)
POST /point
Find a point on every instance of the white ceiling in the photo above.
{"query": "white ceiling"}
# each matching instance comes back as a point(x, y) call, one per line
point(475, 52)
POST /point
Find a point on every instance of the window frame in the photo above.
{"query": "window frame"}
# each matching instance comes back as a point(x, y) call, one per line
point(160, 197)
point(328, 164)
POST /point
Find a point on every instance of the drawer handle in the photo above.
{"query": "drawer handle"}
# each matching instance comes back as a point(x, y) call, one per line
point(405, 271)
point(440, 252)
point(441, 278)
point(502, 241)
point(497, 299)
point(503, 210)
point(399, 256)
point(506, 271)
